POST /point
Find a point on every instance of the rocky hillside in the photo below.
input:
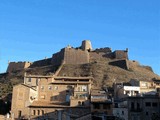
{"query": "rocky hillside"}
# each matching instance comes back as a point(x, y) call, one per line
point(103, 73)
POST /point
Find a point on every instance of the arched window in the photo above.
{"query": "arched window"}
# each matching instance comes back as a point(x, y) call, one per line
point(82, 103)
point(79, 102)
point(38, 112)
point(34, 112)
point(42, 112)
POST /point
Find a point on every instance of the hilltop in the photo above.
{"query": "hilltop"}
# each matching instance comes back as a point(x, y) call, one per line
point(103, 64)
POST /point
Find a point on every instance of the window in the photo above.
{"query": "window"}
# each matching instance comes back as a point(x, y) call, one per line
point(84, 88)
point(49, 87)
point(42, 87)
point(42, 112)
point(79, 103)
point(19, 113)
point(37, 80)
point(132, 105)
point(34, 112)
point(116, 105)
point(55, 87)
point(148, 104)
point(38, 112)
point(96, 106)
point(138, 106)
point(106, 106)
point(29, 79)
point(54, 98)
point(136, 92)
point(154, 104)
point(127, 92)
point(146, 113)
point(82, 103)
point(122, 112)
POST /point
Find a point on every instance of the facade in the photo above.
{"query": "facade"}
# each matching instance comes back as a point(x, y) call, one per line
point(144, 108)
point(23, 96)
point(101, 104)
point(121, 90)
point(145, 86)
point(51, 97)
point(140, 101)
point(157, 84)
point(121, 113)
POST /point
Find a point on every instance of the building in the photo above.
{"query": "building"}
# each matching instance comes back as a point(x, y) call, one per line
point(23, 96)
point(120, 110)
point(139, 101)
point(144, 107)
point(101, 105)
point(145, 86)
point(157, 85)
point(52, 97)
point(122, 90)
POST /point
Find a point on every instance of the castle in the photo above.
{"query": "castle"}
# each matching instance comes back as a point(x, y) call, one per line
point(70, 55)
point(61, 97)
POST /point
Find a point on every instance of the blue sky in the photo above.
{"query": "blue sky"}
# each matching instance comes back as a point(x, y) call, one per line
point(34, 29)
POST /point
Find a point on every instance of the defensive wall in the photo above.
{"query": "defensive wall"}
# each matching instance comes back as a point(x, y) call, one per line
point(40, 63)
point(123, 63)
point(70, 55)
point(13, 66)
point(107, 52)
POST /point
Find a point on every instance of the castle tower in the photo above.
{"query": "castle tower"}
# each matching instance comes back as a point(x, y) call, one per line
point(86, 45)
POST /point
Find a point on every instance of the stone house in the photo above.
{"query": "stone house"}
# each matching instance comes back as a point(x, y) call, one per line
point(145, 86)
point(101, 104)
point(122, 90)
point(23, 96)
point(51, 97)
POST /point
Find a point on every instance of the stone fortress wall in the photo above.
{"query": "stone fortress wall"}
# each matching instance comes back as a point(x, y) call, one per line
point(70, 55)
point(13, 66)
point(40, 63)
